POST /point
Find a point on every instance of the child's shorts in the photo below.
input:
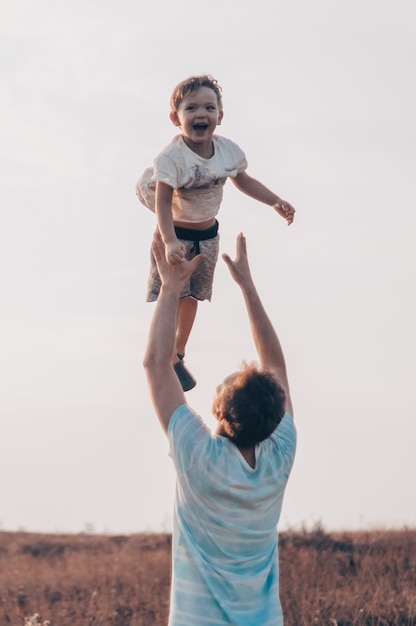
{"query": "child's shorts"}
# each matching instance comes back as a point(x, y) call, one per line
point(200, 282)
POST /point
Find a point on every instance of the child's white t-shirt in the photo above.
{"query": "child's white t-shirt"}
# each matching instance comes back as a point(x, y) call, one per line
point(197, 182)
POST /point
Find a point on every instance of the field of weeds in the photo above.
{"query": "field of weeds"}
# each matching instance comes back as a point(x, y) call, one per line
point(327, 579)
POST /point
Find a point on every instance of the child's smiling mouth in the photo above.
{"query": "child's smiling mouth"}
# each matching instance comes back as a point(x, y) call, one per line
point(200, 127)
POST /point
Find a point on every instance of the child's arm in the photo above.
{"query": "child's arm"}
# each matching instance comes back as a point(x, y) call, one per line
point(255, 189)
point(174, 249)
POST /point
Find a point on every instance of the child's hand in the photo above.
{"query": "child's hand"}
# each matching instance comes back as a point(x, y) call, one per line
point(286, 210)
point(175, 274)
point(175, 252)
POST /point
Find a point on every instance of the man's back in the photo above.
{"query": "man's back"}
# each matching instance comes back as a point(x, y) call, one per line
point(225, 568)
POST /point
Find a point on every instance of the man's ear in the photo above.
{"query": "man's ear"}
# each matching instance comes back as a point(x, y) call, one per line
point(220, 116)
point(174, 118)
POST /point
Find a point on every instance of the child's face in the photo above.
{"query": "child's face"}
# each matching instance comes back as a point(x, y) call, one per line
point(198, 115)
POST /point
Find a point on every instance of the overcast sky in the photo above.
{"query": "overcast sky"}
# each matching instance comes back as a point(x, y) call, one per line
point(321, 97)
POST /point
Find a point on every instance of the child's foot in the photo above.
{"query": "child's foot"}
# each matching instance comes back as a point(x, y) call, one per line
point(185, 377)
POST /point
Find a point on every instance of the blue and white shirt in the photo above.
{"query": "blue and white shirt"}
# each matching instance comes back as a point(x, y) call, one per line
point(225, 544)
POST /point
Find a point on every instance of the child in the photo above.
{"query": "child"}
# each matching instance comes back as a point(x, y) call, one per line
point(185, 189)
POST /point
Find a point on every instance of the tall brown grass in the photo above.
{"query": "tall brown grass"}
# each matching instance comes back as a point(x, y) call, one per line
point(327, 579)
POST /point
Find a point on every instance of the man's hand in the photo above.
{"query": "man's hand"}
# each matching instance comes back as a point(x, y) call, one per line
point(286, 210)
point(178, 273)
point(239, 268)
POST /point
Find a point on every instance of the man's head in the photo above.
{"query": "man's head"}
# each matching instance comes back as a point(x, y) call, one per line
point(249, 405)
point(191, 85)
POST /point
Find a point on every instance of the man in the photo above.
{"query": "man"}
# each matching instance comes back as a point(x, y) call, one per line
point(230, 484)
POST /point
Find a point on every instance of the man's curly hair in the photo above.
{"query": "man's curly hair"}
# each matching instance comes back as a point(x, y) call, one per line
point(192, 84)
point(251, 405)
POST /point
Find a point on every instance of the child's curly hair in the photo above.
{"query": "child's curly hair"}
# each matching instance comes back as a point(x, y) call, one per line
point(251, 405)
point(192, 84)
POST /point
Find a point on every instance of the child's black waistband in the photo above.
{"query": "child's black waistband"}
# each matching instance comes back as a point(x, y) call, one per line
point(190, 234)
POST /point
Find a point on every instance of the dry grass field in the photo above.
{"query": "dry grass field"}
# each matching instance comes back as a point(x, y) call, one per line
point(327, 579)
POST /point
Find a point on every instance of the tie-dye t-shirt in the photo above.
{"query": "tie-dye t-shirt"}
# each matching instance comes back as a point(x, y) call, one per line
point(225, 542)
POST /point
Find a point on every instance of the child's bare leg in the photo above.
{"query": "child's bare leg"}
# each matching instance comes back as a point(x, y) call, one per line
point(187, 309)
point(184, 321)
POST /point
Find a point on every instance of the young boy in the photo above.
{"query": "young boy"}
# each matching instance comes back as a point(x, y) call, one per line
point(185, 189)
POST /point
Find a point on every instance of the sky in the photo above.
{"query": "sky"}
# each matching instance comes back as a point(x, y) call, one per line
point(321, 97)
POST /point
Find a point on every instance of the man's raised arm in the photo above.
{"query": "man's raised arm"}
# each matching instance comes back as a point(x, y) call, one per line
point(165, 389)
point(267, 343)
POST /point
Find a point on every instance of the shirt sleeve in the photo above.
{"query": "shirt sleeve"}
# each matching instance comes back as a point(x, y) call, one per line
point(234, 158)
point(243, 163)
point(188, 438)
point(166, 171)
point(285, 437)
